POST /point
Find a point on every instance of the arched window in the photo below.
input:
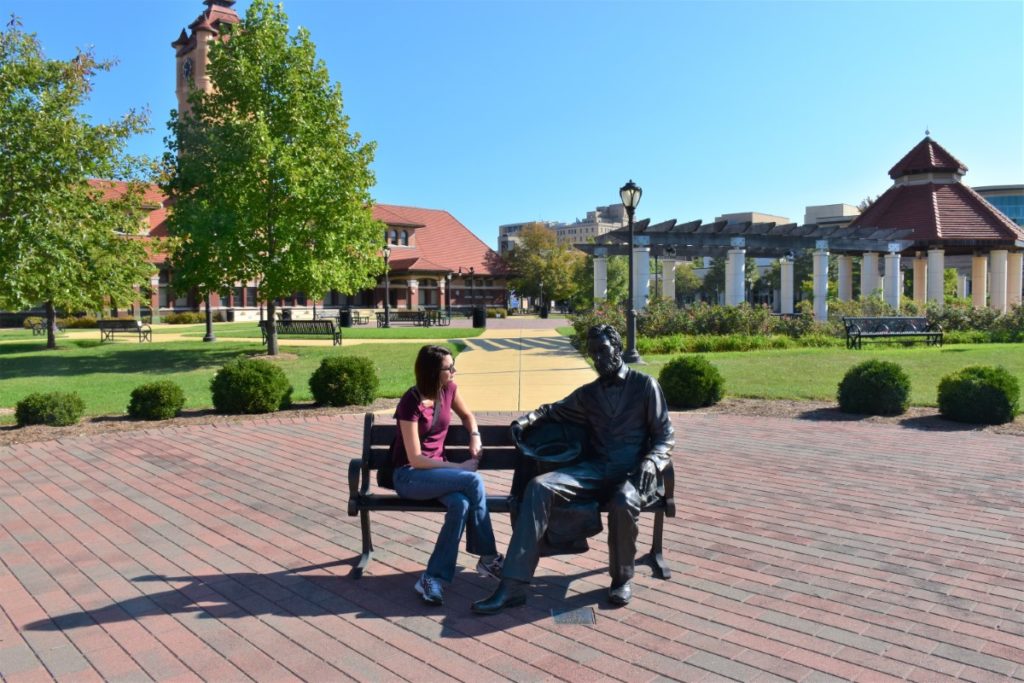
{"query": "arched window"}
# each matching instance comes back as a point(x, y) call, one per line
point(405, 238)
point(394, 237)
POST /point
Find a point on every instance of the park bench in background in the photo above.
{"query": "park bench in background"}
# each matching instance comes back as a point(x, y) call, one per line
point(891, 327)
point(419, 318)
point(305, 327)
point(108, 328)
point(499, 454)
point(40, 328)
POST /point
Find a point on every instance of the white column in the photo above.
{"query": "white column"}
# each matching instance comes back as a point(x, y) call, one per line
point(961, 286)
point(979, 280)
point(668, 279)
point(844, 264)
point(868, 274)
point(893, 281)
point(600, 278)
point(820, 284)
point(936, 275)
point(1014, 275)
point(920, 278)
point(734, 279)
point(999, 280)
point(786, 293)
point(642, 275)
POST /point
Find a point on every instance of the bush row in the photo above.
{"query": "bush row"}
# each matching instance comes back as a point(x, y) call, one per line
point(976, 394)
point(663, 319)
point(241, 386)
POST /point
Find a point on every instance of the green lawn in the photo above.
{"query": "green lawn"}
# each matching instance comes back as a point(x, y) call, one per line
point(104, 375)
point(814, 374)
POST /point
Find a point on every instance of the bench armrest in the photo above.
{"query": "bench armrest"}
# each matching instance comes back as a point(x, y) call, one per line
point(668, 477)
point(355, 467)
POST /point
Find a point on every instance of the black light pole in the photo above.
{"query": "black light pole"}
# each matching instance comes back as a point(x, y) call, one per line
point(387, 286)
point(472, 287)
point(209, 336)
point(630, 194)
point(448, 292)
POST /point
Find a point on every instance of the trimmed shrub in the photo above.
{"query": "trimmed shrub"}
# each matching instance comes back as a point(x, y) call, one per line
point(249, 386)
point(980, 394)
point(156, 401)
point(344, 381)
point(83, 321)
point(875, 387)
point(691, 382)
point(56, 409)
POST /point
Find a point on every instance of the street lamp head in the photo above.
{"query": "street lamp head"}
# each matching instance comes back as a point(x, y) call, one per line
point(472, 270)
point(387, 253)
point(630, 194)
point(448, 276)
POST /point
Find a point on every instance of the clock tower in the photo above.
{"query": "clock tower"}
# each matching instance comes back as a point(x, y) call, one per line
point(191, 49)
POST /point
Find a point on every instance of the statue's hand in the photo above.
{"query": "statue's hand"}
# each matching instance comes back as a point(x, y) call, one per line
point(648, 475)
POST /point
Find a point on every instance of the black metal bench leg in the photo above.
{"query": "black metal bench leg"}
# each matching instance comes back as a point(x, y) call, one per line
point(364, 559)
point(658, 563)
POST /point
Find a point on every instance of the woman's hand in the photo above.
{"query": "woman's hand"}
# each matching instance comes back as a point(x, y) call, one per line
point(475, 446)
point(469, 465)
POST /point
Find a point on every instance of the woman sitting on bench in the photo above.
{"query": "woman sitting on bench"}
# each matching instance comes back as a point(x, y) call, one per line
point(421, 471)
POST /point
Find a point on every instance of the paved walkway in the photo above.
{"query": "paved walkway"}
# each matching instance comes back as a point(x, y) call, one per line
point(803, 550)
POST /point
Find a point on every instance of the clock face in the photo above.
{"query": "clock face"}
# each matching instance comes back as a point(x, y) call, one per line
point(186, 68)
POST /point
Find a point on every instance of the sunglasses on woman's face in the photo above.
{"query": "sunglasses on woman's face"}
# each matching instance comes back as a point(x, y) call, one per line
point(450, 368)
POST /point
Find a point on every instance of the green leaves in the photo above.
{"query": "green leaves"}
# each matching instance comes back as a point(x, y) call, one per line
point(267, 182)
point(62, 239)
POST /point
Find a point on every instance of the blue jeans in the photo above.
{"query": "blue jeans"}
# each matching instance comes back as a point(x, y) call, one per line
point(463, 494)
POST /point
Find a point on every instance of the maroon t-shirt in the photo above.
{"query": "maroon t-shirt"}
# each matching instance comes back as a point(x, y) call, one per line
point(432, 431)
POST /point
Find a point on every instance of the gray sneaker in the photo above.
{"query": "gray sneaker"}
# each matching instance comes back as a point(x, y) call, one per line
point(492, 568)
point(430, 590)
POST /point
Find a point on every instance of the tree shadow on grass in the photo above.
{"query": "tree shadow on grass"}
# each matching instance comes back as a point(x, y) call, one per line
point(119, 360)
point(312, 592)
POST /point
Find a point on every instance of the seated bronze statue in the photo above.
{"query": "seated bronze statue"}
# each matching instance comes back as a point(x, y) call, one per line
point(624, 441)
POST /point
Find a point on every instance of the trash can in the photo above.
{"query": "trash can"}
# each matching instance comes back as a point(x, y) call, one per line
point(479, 317)
point(345, 317)
point(544, 312)
point(231, 315)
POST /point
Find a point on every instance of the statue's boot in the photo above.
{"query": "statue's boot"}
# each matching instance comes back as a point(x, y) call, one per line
point(509, 593)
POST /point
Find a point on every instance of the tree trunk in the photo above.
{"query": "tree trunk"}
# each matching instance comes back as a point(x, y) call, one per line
point(271, 329)
point(51, 326)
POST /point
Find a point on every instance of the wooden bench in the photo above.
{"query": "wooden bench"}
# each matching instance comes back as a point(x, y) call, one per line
point(108, 328)
point(39, 328)
point(304, 327)
point(499, 453)
point(891, 327)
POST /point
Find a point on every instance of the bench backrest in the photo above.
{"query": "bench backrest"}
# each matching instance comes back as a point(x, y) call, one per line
point(300, 326)
point(887, 324)
point(119, 324)
point(499, 451)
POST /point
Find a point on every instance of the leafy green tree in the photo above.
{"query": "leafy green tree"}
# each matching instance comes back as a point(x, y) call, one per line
point(266, 179)
point(688, 283)
point(65, 242)
point(540, 261)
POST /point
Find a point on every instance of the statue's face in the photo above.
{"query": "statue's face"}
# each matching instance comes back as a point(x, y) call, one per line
point(607, 359)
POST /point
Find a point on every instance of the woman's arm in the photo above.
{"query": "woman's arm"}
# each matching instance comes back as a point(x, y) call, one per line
point(469, 422)
point(411, 438)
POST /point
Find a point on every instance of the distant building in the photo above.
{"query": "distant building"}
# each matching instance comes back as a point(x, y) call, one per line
point(601, 220)
point(831, 215)
point(752, 217)
point(1007, 198)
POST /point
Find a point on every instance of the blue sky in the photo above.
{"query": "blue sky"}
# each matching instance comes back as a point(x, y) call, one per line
point(501, 111)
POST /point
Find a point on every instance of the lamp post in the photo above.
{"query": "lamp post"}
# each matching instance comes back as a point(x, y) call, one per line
point(387, 286)
point(472, 288)
point(448, 292)
point(630, 194)
point(209, 336)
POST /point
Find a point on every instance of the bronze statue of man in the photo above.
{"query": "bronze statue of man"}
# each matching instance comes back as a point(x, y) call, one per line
point(630, 436)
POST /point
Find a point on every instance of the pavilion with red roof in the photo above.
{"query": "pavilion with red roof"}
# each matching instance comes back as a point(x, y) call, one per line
point(949, 219)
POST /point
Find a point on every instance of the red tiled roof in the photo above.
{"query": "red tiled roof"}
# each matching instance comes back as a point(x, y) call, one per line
point(949, 211)
point(926, 157)
point(153, 200)
point(440, 243)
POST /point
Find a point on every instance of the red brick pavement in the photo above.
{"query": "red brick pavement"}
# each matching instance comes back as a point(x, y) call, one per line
point(805, 551)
